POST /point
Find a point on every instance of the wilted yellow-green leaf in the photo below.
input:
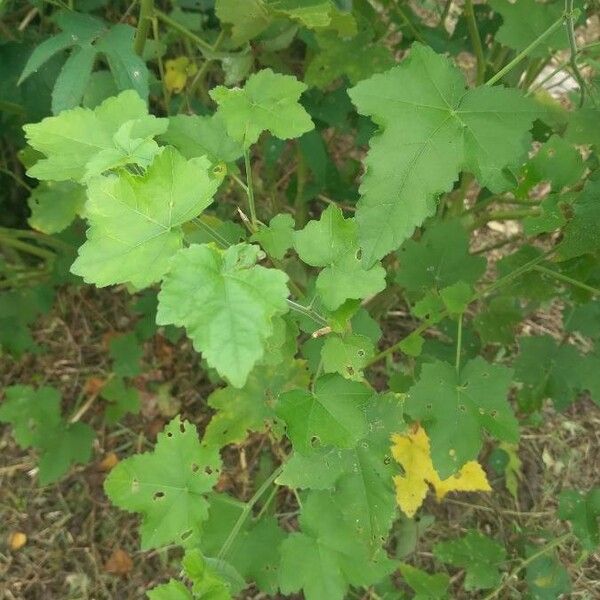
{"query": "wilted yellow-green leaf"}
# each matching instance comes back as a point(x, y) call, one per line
point(177, 71)
point(412, 451)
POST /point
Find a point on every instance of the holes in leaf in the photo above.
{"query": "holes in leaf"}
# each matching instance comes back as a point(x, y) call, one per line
point(182, 427)
point(358, 254)
point(350, 370)
point(195, 468)
point(169, 434)
point(361, 353)
point(186, 534)
point(494, 414)
point(429, 406)
point(158, 496)
point(314, 441)
point(135, 485)
point(208, 470)
point(462, 408)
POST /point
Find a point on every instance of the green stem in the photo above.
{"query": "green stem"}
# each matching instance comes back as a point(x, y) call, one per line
point(183, 30)
point(27, 248)
point(573, 48)
point(524, 563)
point(300, 206)
point(250, 188)
point(506, 215)
point(477, 296)
point(247, 510)
point(475, 41)
point(16, 178)
point(527, 51)
point(143, 26)
point(408, 23)
point(567, 279)
point(458, 344)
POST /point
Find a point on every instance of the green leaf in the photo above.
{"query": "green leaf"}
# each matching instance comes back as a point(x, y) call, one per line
point(202, 136)
point(525, 21)
point(455, 408)
point(126, 353)
point(347, 356)
point(121, 398)
point(581, 234)
point(211, 578)
point(546, 577)
point(167, 486)
point(255, 552)
point(227, 304)
point(81, 142)
point(479, 555)
point(73, 79)
point(558, 162)
point(55, 205)
point(135, 220)
point(268, 101)
point(582, 510)
point(240, 411)
point(332, 243)
point(332, 414)
point(431, 129)
point(496, 324)
point(428, 264)
point(325, 557)
point(247, 20)
point(425, 586)
point(278, 237)
point(173, 590)
point(37, 422)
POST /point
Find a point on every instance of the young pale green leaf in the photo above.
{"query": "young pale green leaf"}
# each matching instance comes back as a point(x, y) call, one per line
point(240, 411)
point(332, 414)
point(210, 577)
point(172, 590)
point(37, 422)
point(227, 304)
point(332, 243)
point(431, 129)
point(347, 356)
point(547, 578)
point(81, 143)
point(268, 101)
point(325, 558)
point(583, 511)
point(55, 205)
point(427, 263)
point(455, 408)
point(425, 586)
point(167, 486)
point(278, 237)
point(479, 555)
point(202, 136)
point(557, 162)
point(135, 220)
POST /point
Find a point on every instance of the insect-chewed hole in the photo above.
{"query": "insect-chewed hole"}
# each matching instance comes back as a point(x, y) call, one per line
point(350, 370)
point(186, 534)
point(158, 495)
point(195, 468)
point(429, 406)
point(208, 470)
point(314, 441)
point(169, 434)
point(358, 254)
point(462, 407)
point(361, 353)
point(494, 414)
point(182, 427)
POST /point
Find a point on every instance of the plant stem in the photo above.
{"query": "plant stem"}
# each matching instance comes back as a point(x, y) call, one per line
point(525, 53)
point(408, 23)
point(143, 26)
point(307, 312)
point(475, 41)
point(250, 188)
point(477, 296)
point(25, 247)
point(183, 30)
point(300, 206)
point(573, 48)
point(567, 279)
point(524, 563)
point(247, 510)
point(505, 215)
point(458, 343)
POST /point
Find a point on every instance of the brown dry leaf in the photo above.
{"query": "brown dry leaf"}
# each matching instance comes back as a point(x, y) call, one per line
point(108, 462)
point(119, 563)
point(16, 540)
point(93, 385)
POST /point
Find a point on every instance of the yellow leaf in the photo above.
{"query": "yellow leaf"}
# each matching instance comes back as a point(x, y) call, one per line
point(177, 71)
point(412, 451)
point(16, 540)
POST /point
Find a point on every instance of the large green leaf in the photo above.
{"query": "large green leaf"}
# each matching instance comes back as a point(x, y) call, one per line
point(455, 408)
point(135, 220)
point(227, 304)
point(431, 128)
point(583, 511)
point(167, 486)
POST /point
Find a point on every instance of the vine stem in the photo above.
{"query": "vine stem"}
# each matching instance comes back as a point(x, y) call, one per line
point(573, 49)
point(525, 53)
point(527, 561)
point(475, 41)
point(161, 16)
point(458, 343)
point(143, 26)
point(477, 296)
point(250, 188)
point(567, 279)
point(247, 510)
